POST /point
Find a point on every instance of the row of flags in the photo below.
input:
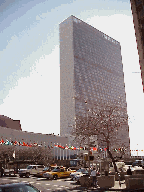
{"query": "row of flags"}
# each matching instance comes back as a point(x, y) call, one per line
point(137, 150)
point(76, 148)
point(19, 143)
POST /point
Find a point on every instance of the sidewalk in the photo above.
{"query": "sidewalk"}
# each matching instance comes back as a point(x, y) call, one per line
point(117, 186)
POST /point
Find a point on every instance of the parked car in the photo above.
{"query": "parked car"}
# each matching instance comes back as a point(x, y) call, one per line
point(77, 177)
point(59, 172)
point(30, 170)
point(9, 172)
point(18, 187)
point(78, 172)
point(139, 163)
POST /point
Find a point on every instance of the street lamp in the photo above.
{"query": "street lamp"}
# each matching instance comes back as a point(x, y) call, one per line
point(88, 137)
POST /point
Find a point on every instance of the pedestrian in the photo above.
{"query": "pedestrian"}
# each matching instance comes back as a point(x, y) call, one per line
point(2, 171)
point(94, 179)
point(129, 172)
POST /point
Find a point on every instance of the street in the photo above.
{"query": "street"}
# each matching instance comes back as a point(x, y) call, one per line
point(61, 185)
point(46, 185)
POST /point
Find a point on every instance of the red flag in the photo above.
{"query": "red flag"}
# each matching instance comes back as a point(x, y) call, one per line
point(24, 144)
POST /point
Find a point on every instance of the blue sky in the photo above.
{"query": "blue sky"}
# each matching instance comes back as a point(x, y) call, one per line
point(29, 58)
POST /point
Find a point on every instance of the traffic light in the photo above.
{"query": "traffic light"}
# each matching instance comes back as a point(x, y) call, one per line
point(91, 158)
point(86, 157)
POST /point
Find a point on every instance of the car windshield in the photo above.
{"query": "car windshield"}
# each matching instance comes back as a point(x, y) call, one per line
point(21, 188)
point(29, 167)
point(55, 170)
point(81, 170)
point(46, 168)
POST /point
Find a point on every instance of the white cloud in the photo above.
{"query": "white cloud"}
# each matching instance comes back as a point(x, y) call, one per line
point(35, 100)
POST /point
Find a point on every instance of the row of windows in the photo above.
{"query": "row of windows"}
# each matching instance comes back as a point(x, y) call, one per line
point(108, 63)
point(92, 36)
point(94, 76)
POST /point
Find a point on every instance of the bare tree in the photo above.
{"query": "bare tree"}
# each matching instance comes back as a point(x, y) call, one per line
point(105, 121)
point(37, 154)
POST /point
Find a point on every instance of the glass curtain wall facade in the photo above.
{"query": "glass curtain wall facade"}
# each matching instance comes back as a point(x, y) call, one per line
point(90, 70)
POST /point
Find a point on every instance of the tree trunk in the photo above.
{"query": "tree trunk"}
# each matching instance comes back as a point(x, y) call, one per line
point(110, 154)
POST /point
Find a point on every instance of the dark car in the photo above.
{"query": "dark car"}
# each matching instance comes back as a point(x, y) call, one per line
point(18, 187)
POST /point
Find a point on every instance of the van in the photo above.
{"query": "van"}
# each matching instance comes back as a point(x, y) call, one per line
point(30, 170)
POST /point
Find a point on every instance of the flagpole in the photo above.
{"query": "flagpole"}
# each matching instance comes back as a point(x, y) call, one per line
point(69, 153)
point(63, 154)
point(57, 151)
point(54, 152)
point(66, 152)
point(60, 152)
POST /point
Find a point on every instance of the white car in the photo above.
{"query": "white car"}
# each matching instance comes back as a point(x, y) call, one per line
point(30, 170)
point(77, 177)
point(79, 172)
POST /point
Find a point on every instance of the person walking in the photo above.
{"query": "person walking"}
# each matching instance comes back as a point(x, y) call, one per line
point(129, 172)
point(94, 179)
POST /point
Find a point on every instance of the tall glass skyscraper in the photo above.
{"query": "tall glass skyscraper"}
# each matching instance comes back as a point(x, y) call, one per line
point(90, 69)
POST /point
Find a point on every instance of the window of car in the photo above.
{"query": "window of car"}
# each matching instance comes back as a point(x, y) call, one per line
point(56, 170)
point(31, 189)
point(24, 188)
point(34, 167)
point(14, 189)
point(29, 167)
point(40, 166)
point(46, 168)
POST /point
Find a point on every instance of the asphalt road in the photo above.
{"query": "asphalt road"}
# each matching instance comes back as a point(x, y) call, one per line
point(61, 185)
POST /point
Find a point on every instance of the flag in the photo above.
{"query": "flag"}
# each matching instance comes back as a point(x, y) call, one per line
point(25, 144)
point(7, 142)
point(35, 144)
point(62, 147)
point(20, 143)
point(2, 141)
point(105, 149)
point(14, 154)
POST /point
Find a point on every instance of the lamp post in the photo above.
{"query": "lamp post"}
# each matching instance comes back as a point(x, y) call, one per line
point(88, 138)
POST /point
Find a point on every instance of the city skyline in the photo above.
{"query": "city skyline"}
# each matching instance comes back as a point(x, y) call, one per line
point(29, 58)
